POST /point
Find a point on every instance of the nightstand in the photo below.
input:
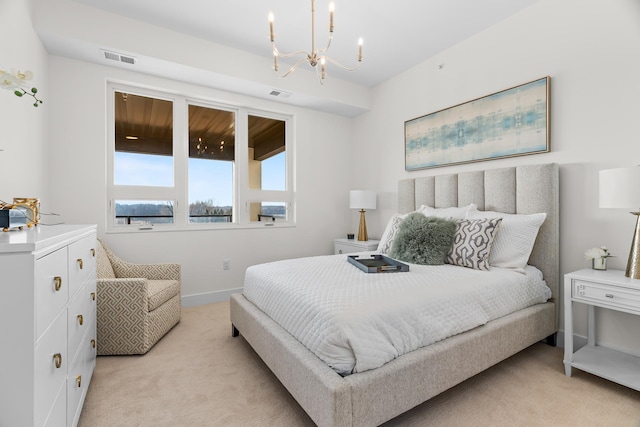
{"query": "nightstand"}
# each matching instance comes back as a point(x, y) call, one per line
point(608, 289)
point(346, 246)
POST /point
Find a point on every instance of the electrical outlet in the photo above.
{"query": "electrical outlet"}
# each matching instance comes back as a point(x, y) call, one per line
point(226, 264)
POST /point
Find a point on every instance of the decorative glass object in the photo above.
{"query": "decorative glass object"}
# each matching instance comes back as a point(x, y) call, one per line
point(599, 263)
point(598, 257)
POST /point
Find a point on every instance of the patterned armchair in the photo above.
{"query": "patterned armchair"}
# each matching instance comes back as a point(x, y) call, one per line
point(137, 303)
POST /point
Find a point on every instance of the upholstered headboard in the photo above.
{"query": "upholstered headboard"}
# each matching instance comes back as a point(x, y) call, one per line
point(521, 189)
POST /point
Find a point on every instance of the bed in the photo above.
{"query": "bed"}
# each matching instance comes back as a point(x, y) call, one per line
point(376, 395)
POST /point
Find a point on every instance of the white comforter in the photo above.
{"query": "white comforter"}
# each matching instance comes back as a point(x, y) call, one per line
point(355, 321)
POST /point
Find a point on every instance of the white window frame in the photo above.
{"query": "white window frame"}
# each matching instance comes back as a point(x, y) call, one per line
point(179, 194)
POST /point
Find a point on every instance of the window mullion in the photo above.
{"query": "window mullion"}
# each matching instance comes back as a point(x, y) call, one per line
point(241, 178)
point(181, 160)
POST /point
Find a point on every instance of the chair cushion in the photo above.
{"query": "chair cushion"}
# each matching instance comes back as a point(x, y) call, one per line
point(104, 268)
point(161, 291)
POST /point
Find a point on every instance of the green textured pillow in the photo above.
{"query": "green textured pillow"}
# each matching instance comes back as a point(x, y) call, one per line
point(423, 239)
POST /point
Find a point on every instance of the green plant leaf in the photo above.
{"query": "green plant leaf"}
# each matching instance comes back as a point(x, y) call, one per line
point(18, 93)
point(34, 90)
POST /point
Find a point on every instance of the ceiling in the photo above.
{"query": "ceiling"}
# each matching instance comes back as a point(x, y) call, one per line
point(397, 35)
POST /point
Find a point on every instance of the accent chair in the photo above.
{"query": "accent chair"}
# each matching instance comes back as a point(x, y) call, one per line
point(137, 304)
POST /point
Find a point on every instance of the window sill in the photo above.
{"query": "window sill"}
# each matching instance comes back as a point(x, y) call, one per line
point(164, 228)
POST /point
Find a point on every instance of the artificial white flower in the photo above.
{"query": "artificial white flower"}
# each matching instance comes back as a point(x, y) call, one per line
point(594, 253)
point(9, 81)
point(16, 81)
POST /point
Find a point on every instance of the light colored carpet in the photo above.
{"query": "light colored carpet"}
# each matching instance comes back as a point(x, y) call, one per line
point(198, 375)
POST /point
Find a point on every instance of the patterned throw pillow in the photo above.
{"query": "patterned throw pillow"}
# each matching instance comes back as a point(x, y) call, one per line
point(423, 240)
point(472, 243)
point(386, 241)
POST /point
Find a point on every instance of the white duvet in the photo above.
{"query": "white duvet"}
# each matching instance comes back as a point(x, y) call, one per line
point(356, 321)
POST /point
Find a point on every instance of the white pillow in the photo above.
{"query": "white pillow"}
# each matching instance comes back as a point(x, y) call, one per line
point(452, 212)
point(390, 232)
point(515, 239)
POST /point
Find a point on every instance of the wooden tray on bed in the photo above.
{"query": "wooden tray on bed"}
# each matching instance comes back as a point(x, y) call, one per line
point(378, 264)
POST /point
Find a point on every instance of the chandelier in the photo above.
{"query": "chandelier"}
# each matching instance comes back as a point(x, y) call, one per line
point(315, 56)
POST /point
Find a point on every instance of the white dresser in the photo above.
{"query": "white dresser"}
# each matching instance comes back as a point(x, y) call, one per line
point(48, 324)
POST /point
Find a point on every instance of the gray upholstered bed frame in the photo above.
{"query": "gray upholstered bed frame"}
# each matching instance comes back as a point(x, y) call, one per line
point(373, 397)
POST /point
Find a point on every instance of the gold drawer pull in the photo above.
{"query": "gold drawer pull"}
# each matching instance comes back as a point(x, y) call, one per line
point(93, 296)
point(58, 283)
point(80, 319)
point(93, 343)
point(80, 263)
point(93, 252)
point(57, 359)
point(79, 380)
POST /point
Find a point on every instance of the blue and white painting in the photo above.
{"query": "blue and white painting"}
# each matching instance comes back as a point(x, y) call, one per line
point(512, 122)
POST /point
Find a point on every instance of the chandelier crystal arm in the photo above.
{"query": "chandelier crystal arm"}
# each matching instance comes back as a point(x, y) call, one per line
point(333, 61)
point(293, 67)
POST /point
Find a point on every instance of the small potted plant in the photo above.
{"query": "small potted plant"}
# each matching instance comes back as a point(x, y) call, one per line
point(598, 257)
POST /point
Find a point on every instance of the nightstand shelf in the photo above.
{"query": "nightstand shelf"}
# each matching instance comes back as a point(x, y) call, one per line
point(612, 365)
point(605, 289)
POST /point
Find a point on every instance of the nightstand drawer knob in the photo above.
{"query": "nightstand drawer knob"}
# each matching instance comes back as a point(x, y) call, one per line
point(608, 295)
point(340, 251)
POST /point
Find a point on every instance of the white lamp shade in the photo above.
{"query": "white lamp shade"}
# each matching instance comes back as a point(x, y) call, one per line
point(362, 199)
point(620, 188)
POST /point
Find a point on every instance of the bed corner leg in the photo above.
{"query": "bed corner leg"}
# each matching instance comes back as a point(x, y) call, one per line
point(552, 339)
point(234, 331)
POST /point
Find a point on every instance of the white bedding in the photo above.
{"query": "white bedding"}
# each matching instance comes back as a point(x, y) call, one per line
point(355, 321)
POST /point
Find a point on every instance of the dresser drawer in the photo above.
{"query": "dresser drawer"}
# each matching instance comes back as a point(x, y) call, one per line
point(82, 262)
point(51, 363)
point(79, 317)
point(76, 388)
point(603, 294)
point(52, 288)
point(58, 414)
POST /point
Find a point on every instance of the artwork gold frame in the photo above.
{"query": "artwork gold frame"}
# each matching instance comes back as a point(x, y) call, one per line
point(512, 122)
point(30, 205)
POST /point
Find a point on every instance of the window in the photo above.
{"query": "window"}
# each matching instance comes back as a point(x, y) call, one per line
point(180, 163)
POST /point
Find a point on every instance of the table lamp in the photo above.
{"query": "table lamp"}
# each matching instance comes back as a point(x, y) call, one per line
point(362, 199)
point(619, 188)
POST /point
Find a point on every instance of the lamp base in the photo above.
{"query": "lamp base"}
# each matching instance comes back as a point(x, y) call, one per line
point(362, 231)
point(633, 264)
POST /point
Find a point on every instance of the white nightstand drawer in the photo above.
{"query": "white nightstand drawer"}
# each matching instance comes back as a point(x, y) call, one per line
point(603, 294)
point(347, 246)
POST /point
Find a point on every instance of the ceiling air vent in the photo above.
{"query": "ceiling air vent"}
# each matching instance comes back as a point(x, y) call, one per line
point(120, 58)
point(280, 93)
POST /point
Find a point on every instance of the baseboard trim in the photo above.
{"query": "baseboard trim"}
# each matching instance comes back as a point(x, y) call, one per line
point(208, 297)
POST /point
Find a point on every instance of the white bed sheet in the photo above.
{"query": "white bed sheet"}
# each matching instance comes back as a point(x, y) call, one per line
point(356, 321)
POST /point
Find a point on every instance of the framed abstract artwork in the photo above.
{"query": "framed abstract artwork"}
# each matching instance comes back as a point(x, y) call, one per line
point(512, 122)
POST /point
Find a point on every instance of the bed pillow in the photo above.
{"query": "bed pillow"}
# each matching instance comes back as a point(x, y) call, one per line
point(452, 212)
point(423, 240)
point(516, 238)
point(390, 232)
point(472, 243)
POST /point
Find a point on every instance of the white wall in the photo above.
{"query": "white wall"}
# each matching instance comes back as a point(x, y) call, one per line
point(23, 139)
point(77, 136)
point(592, 53)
